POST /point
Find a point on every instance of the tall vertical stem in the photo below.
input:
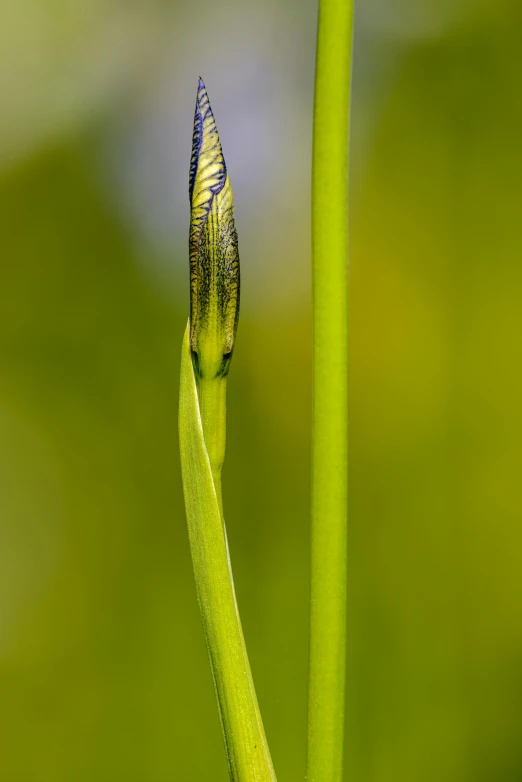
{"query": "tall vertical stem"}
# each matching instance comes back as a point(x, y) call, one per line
point(330, 399)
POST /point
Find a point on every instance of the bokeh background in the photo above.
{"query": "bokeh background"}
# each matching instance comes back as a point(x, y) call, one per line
point(103, 670)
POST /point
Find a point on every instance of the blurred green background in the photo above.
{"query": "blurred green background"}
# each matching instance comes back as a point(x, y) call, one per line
point(103, 670)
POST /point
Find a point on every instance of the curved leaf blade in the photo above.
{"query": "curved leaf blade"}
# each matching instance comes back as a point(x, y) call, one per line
point(245, 742)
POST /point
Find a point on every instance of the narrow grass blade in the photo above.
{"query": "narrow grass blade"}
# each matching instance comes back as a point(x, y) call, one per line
point(245, 743)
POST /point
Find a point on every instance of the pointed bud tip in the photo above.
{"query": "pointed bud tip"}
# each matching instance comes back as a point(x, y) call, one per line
point(201, 85)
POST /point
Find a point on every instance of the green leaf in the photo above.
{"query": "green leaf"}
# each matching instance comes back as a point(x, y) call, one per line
point(245, 742)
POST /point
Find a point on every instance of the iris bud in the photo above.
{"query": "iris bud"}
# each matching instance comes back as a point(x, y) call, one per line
point(213, 249)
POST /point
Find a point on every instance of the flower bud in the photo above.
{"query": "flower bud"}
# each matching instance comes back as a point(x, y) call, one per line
point(213, 249)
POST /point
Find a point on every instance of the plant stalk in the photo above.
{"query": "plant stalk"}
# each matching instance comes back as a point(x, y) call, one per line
point(329, 502)
point(205, 361)
point(212, 395)
point(246, 747)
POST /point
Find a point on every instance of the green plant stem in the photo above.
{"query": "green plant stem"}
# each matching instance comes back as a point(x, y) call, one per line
point(330, 402)
point(212, 395)
point(245, 742)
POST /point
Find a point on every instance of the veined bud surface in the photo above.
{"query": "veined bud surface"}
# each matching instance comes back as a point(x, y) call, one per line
point(213, 249)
